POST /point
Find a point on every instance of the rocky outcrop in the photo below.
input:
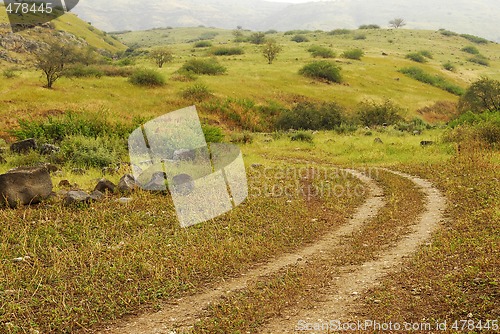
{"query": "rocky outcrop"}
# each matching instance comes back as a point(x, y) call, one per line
point(23, 146)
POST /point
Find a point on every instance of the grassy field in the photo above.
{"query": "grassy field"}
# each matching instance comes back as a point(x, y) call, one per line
point(85, 267)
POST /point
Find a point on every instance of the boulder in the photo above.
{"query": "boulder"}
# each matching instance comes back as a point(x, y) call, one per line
point(157, 182)
point(96, 196)
point(48, 149)
point(182, 184)
point(76, 197)
point(24, 146)
point(127, 184)
point(25, 185)
point(105, 185)
point(184, 155)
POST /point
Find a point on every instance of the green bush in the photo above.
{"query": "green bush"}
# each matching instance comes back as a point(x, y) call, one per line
point(271, 32)
point(468, 127)
point(310, 116)
point(322, 70)
point(369, 26)
point(204, 66)
point(88, 152)
point(213, 134)
point(426, 54)
point(449, 66)
point(470, 49)
point(202, 44)
point(321, 52)
point(257, 38)
point(81, 71)
point(447, 33)
point(416, 124)
point(302, 136)
point(299, 39)
point(358, 37)
point(355, 54)
point(433, 80)
point(340, 32)
point(475, 39)
point(116, 71)
point(55, 129)
point(297, 32)
point(227, 51)
point(197, 92)
point(147, 78)
point(416, 56)
point(371, 113)
point(10, 73)
point(482, 95)
point(480, 60)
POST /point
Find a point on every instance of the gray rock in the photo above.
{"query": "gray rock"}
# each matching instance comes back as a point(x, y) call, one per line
point(182, 184)
point(96, 196)
point(48, 149)
point(184, 155)
point(105, 185)
point(76, 197)
point(157, 182)
point(24, 146)
point(127, 184)
point(25, 185)
point(378, 141)
point(64, 184)
point(51, 168)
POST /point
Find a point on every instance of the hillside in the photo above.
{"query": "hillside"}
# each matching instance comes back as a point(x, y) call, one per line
point(15, 47)
point(478, 17)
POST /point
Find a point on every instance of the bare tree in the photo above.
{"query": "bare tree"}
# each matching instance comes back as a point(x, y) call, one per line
point(271, 50)
point(53, 58)
point(161, 56)
point(397, 23)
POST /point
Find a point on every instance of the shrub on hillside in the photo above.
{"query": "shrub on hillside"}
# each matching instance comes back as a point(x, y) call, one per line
point(359, 37)
point(227, 51)
point(371, 113)
point(10, 73)
point(310, 116)
point(322, 70)
point(88, 152)
point(482, 95)
point(469, 127)
point(417, 57)
point(480, 60)
point(204, 66)
point(147, 78)
point(337, 32)
point(81, 71)
point(475, 39)
point(355, 54)
point(449, 66)
point(213, 134)
point(447, 33)
point(470, 49)
point(197, 92)
point(203, 44)
point(369, 26)
point(299, 39)
point(321, 52)
point(433, 80)
point(302, 136)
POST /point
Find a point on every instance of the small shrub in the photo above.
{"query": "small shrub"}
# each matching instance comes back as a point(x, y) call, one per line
point(203, 44)
point(81, 71)
point(426, 54)
point(202, 66)
point(359, 37)
point(302, 136)
point(470, 49)
point(482, 95)
point(371, 113)
point(10, 73)
point(227, 51)
point(297, 32)
point(475, 39)
point(310, 116)
point(433, 80)
point(300, 39)
point(197, 92)
point(115, 71)
point(447, 33)
point(480, 60)
point(147, 78)
point(355, 54)
point(323, 70)
point(271, 31)
point(213, 134)
point(321, 52)
point(183, 76)
point(369, 26)
point(337, 32)
point(417, 57)
point(257, 38)
point(88, 152)
point(449, 66)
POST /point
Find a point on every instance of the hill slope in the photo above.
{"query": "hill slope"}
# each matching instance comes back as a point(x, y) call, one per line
point(477, 17)
point(14, 47)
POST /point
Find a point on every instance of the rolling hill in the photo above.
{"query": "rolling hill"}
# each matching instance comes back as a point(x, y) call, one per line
point(478, 17)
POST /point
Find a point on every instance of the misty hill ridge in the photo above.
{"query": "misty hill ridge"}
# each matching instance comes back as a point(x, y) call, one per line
point(478, 17)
